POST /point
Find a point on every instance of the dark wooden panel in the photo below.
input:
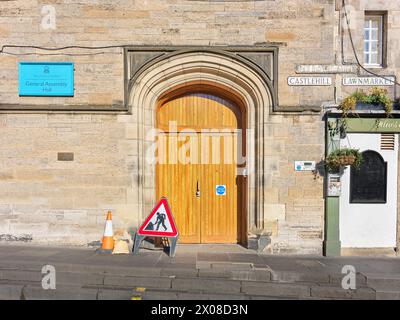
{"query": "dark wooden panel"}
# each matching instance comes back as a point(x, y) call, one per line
point(368, 184)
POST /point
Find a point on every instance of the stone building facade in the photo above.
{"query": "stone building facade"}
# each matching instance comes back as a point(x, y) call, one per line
point(126, 54)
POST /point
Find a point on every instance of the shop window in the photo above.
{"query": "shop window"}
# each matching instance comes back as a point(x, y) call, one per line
point(368, 183)
point(374, 39)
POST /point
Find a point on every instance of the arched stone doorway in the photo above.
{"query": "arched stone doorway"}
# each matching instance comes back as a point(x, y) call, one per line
point(233, 78)
point(201, 154)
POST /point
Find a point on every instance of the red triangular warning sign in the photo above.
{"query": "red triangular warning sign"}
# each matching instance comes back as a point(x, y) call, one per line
point(160, 222)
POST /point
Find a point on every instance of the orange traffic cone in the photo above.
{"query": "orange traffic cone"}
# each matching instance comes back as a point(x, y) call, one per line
point(108, 241)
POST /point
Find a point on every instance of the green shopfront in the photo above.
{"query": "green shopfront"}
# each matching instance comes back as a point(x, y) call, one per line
point(361, 208)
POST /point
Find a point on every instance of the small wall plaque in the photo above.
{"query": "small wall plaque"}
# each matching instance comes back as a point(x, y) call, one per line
point(65, 156)
point(334, 185)
point(304, 165)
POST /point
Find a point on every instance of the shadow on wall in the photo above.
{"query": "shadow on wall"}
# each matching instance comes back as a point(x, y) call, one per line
point(319, 169)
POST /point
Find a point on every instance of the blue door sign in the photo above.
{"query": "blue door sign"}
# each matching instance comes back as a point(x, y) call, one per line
point(220, 190)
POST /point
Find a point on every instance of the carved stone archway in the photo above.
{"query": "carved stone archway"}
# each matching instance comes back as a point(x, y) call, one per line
point(224, 71)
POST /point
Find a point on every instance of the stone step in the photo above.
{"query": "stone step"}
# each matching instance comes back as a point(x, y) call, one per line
point(155, 294)
point(292, 277)
point(67, 274)
point(187, 289)
point(275, 289)
point(171, 287)
point(181, 283)
point(337, 292)
point(114, 294)
point(387, 295)
point(383, 281)
point(64, 292)
point(237, 271)
point(361, 280)
point(182, 295)
point(133, 282)
point(78, 268)
point(206, 285)
point(15, 291)
point(250, 275)
point(23, 276)
point(87, 274)
point(10, 291)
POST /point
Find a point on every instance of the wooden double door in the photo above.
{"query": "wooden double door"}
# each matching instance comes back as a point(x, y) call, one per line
point(197, 167)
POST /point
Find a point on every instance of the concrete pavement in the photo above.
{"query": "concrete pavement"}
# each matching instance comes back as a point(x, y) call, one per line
point(197, 272)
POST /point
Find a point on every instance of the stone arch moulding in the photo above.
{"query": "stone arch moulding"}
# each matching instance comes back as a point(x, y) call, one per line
point(209, 67)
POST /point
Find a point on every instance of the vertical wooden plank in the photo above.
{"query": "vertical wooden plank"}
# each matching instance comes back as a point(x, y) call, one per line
point(219, 212)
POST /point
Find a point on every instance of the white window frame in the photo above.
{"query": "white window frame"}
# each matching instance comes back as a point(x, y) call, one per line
point(379, 52)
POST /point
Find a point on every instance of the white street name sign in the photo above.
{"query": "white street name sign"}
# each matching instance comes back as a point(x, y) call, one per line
point(309, 81)
point(368, 81)
point(326, 68)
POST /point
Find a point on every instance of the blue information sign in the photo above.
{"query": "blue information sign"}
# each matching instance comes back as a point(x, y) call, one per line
point(46, 79)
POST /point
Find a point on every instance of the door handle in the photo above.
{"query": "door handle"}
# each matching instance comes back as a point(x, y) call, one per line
point(197, 189)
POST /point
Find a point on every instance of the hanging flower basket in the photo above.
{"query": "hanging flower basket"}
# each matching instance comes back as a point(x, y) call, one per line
point(343, 157)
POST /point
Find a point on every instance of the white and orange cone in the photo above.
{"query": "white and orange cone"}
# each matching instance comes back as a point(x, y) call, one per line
point(108, 241)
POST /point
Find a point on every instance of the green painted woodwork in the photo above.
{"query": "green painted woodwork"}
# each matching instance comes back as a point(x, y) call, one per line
point(332, 242)
point(332, 246)
point(373, 125)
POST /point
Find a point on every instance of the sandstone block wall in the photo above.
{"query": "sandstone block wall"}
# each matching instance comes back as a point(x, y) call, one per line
point(301, 29)
point(295, 202)
point(66, 201)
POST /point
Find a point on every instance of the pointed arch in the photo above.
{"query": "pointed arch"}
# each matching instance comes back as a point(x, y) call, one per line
point(235, 78)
